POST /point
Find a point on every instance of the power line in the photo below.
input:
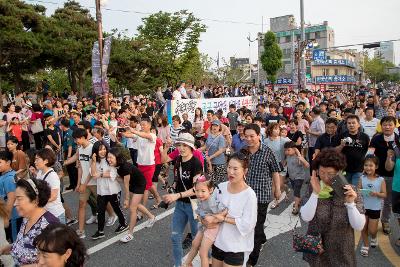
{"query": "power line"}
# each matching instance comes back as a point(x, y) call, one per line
point(149, 13)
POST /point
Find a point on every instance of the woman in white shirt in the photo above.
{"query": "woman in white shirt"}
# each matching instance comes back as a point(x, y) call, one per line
point(43, 160)
point(235, 239)
point(108, 188)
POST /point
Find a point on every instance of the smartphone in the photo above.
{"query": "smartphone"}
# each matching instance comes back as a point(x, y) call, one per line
point(338, 182)
point(365, 192)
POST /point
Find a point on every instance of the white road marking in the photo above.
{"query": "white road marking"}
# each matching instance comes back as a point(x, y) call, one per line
point(116, 238)
point(274, 225)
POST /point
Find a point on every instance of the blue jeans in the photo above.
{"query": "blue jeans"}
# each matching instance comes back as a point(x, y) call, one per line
point(182, 214)
point(353, 177)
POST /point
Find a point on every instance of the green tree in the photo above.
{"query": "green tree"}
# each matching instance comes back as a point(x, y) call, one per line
point(271, 58)
point(21, 28)
point(70, 35)
point(376, 69)
point(170, 44)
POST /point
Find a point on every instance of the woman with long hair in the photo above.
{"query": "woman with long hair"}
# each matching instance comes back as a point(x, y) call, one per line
point(163, 128)
point(19, 162)
point(198, 121)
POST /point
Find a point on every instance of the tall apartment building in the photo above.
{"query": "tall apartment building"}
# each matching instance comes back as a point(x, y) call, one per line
point(386, 52)
point(288, 33)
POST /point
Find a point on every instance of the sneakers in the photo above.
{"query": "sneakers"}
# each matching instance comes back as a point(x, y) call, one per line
point(374, 242)
point(91, 220)
point(98, 235)
point(71, 222)
point(121, 228)
point(81, 234)
point(126, 238)
point(364, 251)
point(111, 220)
point(150, 222)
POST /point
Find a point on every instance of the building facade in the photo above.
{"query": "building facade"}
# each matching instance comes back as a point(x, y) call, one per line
point(386, 52)
point(288, 34)
point(336, 69)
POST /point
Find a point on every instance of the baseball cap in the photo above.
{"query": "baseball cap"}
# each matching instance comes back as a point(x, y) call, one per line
point(216, 122)
point(187, 139)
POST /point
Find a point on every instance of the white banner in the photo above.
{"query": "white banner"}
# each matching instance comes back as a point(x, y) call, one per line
point(179, 107)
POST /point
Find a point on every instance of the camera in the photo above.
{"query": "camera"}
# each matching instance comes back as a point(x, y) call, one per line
point(163, 205)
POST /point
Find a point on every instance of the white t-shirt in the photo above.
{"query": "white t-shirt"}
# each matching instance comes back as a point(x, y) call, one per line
point(369, 126)
point(146, 150)
point(54, 207)
point(176, 95)
point(107, 186)
point(85, 155)
point(243, 208)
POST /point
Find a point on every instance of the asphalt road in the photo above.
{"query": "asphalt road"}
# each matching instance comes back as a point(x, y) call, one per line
point(152, 247)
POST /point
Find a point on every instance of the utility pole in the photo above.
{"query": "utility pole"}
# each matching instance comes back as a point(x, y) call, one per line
point(250, 41)
point(100, 40)
point(302, 70)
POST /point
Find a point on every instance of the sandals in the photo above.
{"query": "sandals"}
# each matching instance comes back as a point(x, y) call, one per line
point(164, 186)
point(154, 207)
point(374, 242)
point(274, 204)
point(364, 251)
point(295, 211)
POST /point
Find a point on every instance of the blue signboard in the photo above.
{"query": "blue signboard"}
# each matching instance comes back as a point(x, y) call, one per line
point(319, 54)
point(335, 79)
point(333, 62)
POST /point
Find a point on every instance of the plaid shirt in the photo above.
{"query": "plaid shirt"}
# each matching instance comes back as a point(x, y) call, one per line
point(259, 177)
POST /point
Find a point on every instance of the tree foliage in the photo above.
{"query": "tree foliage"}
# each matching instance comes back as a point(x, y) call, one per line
point(58, 48)
point(376, 69)
point(271, 58)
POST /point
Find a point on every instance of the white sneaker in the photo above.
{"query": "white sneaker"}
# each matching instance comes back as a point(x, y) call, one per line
point(91, 220)
point(111, 220)
point(150, 222)
point(374, 242)
point(126, 238)
point(81, 234)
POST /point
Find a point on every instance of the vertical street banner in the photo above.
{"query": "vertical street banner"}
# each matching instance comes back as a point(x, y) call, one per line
point(178, 107)
point(99, 76)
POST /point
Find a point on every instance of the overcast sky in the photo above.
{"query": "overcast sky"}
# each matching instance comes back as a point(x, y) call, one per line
point(354, 21)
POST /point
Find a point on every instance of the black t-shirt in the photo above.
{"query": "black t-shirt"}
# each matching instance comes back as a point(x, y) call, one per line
point(190, 169)
point(381, 147)
point(271, 118)
point(355, 151)
point(295, 136)
point(325, 140)
point(54, 134)
point(187, 125)
point(137, 178)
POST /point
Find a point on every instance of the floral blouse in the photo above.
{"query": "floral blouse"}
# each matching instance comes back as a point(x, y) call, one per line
point(23, 250)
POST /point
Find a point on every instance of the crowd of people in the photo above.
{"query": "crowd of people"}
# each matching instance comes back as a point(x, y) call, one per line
point(222, 169)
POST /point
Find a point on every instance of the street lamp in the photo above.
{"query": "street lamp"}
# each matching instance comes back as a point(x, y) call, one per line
point(250, 41)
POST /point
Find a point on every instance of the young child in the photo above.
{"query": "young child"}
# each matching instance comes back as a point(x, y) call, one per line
point(15, 129)
point(296, 165)
point(373, 189)
point(108, 188)
point(208, 204)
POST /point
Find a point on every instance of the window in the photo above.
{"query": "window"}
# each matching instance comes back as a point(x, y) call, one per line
point(288, 39)
point(325, 72)
point(336, 71)
point(317, 35)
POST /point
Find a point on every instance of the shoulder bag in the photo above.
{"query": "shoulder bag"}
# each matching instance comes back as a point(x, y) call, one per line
point(311, 244)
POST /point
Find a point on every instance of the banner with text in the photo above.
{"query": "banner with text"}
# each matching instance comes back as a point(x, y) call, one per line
point(179, 107)
point(99, 76)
